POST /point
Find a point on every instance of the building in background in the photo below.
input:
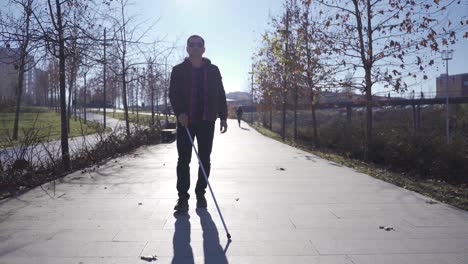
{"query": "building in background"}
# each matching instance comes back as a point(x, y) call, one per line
point(453, 86)
point(9, 63)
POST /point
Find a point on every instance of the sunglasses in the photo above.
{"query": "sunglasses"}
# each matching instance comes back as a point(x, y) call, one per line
point(195, 44)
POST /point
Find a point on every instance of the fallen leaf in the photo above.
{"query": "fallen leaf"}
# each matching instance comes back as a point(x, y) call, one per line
point(149, 258)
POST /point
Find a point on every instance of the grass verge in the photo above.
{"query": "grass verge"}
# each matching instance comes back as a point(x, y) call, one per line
point(46, 122)
point(143, 118)
point(453, 195)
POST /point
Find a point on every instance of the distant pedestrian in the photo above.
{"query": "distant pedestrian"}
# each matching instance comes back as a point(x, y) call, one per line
point(239, 113)
point(198, 98)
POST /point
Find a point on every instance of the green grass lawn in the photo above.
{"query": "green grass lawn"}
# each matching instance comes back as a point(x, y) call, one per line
point(42, 120)
point(144, 119)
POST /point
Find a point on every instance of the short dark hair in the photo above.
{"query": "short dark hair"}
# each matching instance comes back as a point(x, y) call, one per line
point(196, 36)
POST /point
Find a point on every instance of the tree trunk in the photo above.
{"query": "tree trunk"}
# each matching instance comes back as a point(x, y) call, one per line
point(84, 99)
point(137, 104)
point(51, 96)
point(366, 58)
point(63, 105)
point(124, 70)
point(124, 100)
point(295, 113)
point(70, 92)
point(105, 81)
point(157, 105)
point(20, 81)
point(271, 117)
point(152, 106)
point(314, 125)
point(75, 101)
point(151, 85)
point(283, 119)
point(368, 70)
point(312, 109)
point(114, 96)
point(57, 97)
point(349, 134)
point(368, 153)
point(19, 93)
point(166, 87)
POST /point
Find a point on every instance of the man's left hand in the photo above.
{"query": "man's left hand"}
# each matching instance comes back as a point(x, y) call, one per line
point(223, 127)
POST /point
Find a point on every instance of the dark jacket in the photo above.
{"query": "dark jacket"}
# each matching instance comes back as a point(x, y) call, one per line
point(180, 91)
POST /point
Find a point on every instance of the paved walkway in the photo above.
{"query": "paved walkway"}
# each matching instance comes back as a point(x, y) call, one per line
point(281, 205)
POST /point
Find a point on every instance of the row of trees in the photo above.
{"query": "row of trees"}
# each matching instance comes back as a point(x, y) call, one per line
point(315, 46)
point(90, 49)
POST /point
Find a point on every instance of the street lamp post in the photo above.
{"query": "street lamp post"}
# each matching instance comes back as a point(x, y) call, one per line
point(286, 33)
point(446, 56)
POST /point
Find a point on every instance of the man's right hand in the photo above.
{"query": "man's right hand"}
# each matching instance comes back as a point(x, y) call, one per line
point(183, 119)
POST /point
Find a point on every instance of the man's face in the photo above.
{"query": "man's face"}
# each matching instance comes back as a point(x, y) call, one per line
point(195, 47)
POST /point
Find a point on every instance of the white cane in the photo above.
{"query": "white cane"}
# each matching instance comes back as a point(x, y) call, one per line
point(208, 183)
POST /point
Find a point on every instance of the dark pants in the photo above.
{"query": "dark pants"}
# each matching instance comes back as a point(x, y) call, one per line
point(203, 131)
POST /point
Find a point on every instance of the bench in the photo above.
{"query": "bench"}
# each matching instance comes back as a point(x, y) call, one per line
point(168, 134)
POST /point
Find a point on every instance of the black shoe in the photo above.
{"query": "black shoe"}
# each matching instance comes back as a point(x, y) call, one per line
point(182, 205)
point(201, 202)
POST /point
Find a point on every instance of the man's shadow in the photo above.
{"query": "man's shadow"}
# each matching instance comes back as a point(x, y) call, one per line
point(183, 253)
point(213, 252)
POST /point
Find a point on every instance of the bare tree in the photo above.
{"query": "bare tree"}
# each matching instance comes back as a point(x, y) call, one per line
point(313, 45)
point(126, 39)
point(59, 28)
point(269, 72)
point(386, 41)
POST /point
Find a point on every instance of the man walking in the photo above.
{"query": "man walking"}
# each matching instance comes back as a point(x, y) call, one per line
point(197, 97)
point(239, 113)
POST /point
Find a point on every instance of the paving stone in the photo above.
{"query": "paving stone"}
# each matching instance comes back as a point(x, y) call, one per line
point(370, 246)
point(407, 259)
point(313, 211)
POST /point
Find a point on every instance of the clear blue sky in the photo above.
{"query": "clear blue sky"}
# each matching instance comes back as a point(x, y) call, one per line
point(232, 30)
